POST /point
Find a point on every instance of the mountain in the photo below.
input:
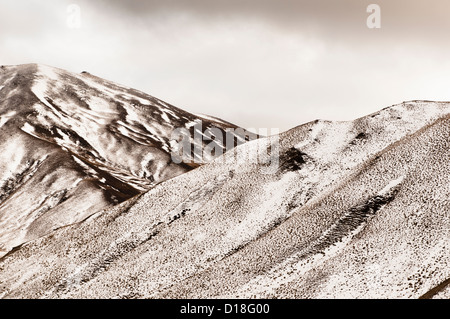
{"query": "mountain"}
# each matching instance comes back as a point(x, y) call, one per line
point(355, 209)
point(74, 144)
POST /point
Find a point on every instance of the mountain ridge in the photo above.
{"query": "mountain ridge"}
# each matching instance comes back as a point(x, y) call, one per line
point(74, 144)
point(354, 209)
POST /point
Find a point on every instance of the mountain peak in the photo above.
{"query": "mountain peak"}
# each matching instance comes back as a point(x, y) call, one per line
point(115, 142)
point(347, 209)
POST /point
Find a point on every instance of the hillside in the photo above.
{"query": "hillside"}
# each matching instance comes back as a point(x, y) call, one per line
point(354, 209)
point(74, 144)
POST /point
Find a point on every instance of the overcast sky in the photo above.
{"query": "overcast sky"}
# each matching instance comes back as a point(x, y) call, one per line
point(257, 63)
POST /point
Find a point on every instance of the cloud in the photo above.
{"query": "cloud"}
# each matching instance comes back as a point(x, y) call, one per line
point(400, 16)
point(256, 63)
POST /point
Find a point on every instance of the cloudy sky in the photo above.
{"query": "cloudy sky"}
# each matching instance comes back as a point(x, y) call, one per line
point(257, 63)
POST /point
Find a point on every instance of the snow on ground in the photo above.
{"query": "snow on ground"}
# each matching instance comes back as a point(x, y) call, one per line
point(6, 117)
point(355, 209)
point(116, 135)
point(299, 263)
point(209, 117)
point(392, 185)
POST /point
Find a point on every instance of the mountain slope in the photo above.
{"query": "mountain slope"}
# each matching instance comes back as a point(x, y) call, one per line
point(355, 209)
point(73, 144)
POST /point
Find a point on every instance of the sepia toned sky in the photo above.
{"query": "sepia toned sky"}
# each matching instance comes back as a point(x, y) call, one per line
point(256, 63)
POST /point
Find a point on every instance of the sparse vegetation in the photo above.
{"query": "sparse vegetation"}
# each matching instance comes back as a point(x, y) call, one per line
point(357, 209)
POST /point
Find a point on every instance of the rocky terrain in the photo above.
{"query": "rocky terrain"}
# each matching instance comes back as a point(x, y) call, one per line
point(356, 209)
point(73, 144)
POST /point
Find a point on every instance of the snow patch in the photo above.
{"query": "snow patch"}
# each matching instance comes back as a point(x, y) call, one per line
point(209, 117)
point(171, 112)
point(292, 268)
point(393, 184)
point(6, 117)
point(132, 115)
point(268, 211)
point(123, 131)
point(192, 123)
point(76, 182)
point(47, 72)
point(165, 117)
point(28, 128)
point(39, 89)
point(315, 130)
point(130, 97)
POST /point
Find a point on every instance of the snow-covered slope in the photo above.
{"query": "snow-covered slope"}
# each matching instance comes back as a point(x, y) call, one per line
point(73, 144)
point(355, 209)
